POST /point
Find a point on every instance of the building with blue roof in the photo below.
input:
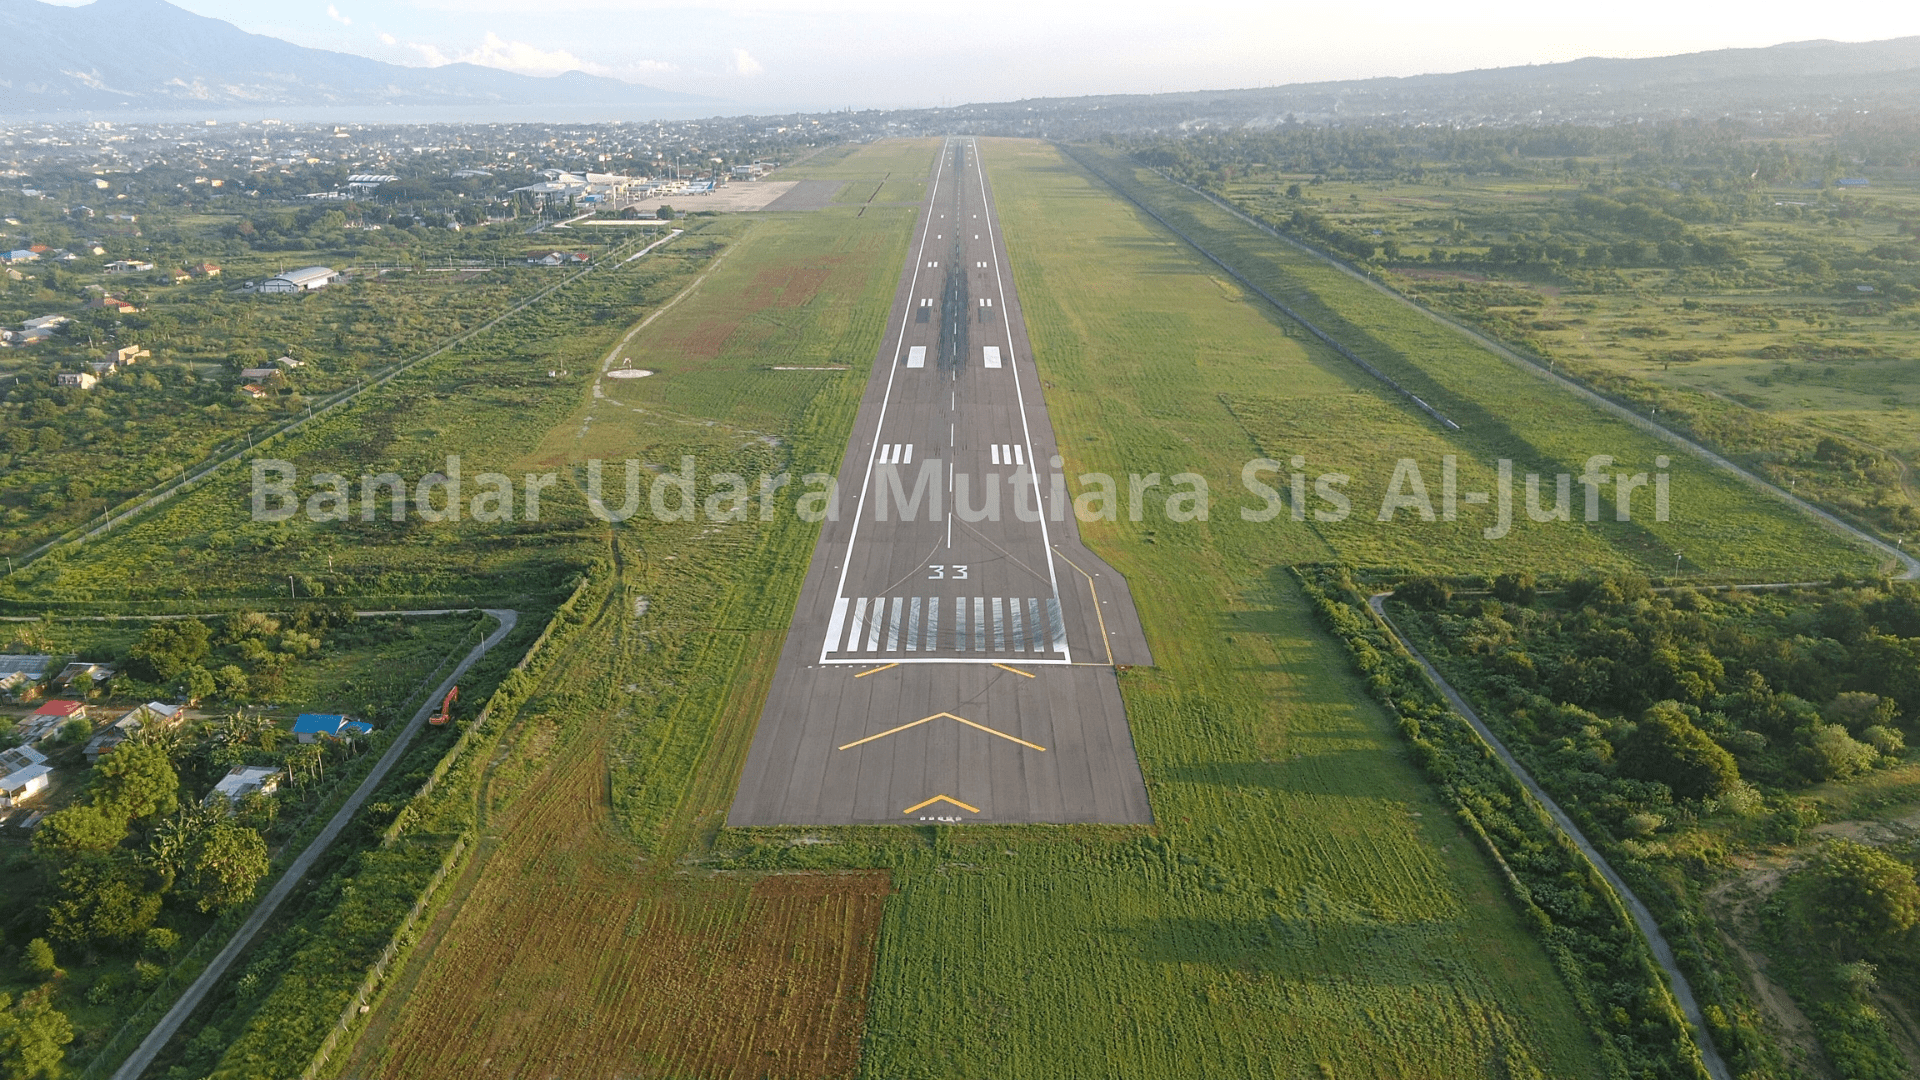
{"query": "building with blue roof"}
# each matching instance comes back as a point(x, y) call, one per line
point(308, 727)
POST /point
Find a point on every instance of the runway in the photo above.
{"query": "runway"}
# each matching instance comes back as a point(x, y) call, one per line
point(952, 656)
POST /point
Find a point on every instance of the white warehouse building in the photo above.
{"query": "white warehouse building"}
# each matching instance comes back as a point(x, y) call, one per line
point(303, 280)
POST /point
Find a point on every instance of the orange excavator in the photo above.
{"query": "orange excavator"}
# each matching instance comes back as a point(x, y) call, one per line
point(440, 718)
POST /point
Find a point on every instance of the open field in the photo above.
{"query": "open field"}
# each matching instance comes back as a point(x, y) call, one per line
point(1721, 527)
point(1294, 875)
point(630, 749)
point(483, 402)
point(1804, 331)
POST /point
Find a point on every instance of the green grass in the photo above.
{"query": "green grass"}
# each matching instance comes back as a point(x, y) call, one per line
point(486, 401)
point(1723, 527)
point(1757, 357)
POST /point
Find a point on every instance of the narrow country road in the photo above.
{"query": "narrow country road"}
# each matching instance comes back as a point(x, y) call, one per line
point(295, 875)
point(1662, 952)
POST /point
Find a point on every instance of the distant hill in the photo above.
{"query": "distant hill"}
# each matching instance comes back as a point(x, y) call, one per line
point(1763, 85)
point(128, 56)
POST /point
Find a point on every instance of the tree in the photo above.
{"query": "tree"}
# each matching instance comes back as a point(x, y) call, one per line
point(1669, 748)
point(230, 862)
point(74, 732)
point(38, 958)
point(33, 1036)
point(169, 648)
point(664, 213)
point(195, 683)
point(101, 901)
point(79, 830)
point(231, 681)
point(1864, 895)
point(1430, 594)
point(136, 782)
point(1514, 588)
point(1832, 754)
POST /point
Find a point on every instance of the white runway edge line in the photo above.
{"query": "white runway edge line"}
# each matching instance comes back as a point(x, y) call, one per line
point(1006, 320)
point(886, 397)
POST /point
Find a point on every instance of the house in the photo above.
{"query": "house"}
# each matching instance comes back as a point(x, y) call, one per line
point(40, 328)
point(303, 280)
point(21, 675)
point(128, 266)
point(178, 276)
point(112, 735)
point(1853, 181)
point(126, 355)
point(85, 380)
point(309, 727)
point(61, 710)
point(559, 258)
point(98, 673)
point(23, 774)
point(290, 362)
point(20, 255)
point(102, 368)
point(260, 374)
point(47, 719)
point(204, 270)
point(255, 391)
point(158, 714)
point(244, 780)
point(112, 303)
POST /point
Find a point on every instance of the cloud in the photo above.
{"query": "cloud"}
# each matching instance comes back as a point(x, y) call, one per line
point(430, 55)
point(526, 59)
point(388, 39)
point(745, 64)
point(334, 14)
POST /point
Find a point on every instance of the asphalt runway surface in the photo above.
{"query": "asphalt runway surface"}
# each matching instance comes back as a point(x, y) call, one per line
point(952, 656)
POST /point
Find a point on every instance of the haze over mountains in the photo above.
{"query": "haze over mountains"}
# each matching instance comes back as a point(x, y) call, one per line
point(148, 59)
point(122, 58)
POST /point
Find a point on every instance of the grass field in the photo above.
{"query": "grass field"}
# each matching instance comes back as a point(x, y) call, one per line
point(1304, 882)
point(626, 760)
point(486, 402)
point(1763, 357)
point(1721, 527)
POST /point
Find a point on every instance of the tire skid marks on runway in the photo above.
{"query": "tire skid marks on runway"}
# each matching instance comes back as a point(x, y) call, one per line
point(978, 624)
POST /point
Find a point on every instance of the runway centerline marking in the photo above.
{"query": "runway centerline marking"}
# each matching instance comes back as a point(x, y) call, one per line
point(945, 716)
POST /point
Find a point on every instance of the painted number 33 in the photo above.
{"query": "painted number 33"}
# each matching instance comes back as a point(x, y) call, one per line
point(936, 573)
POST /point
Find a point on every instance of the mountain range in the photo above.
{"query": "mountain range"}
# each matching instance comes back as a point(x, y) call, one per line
point(125, 57)
point(129, 58)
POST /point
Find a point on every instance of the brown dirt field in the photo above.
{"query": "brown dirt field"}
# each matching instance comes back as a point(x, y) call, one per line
point(789, 286)
point(584, 964)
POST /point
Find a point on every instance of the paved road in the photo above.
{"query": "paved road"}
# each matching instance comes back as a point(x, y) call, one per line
point(1662, 952)
point(295, 876)
point(952, 656)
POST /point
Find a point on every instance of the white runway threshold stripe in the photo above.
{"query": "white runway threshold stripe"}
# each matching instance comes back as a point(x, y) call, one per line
point(917, 356)
point(991, 355)
point(977, 624)
point(896, 454)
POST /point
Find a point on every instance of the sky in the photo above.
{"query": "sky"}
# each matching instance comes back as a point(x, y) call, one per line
point(780, 55)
